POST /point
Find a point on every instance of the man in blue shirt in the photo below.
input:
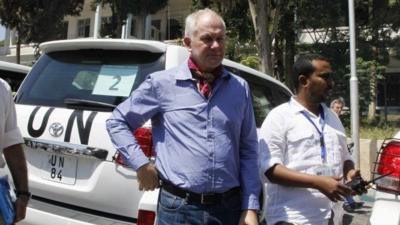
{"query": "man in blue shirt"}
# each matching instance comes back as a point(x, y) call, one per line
point(204, 134)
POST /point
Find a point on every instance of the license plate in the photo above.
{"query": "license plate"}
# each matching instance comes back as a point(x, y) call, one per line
point(59, 168)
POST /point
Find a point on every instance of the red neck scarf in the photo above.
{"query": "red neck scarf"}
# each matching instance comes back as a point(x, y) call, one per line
point(206, 79)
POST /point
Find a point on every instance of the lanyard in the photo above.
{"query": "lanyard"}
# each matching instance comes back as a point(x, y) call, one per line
point(321, 133)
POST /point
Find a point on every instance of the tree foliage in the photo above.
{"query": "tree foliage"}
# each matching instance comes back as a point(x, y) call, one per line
point(37, 20)
point(239, 29)
point(369, 73)
point(139, 8)
point(280, 28)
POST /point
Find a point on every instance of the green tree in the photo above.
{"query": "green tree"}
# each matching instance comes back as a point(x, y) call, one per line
point(369, 73)
point(377, 21)
point(279, 24)
point(265, 16)
point(139, 8)
point(239, 29)
point(37, 20)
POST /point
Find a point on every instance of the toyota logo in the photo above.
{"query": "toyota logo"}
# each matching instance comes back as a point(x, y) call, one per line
point(56, 129)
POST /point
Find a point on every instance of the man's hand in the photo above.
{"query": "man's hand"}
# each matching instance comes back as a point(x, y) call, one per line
point(356, 183)
point(20, 208)
point(148, 177)
point(332, 187)
point(351, 174)
point(248, 217)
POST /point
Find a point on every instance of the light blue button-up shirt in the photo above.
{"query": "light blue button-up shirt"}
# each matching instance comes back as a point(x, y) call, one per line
point(201, 145)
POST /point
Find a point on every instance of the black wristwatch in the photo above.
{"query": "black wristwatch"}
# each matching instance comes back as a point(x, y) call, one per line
point(23, 193)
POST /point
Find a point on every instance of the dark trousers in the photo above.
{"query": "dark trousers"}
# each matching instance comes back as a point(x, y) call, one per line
point(174, 210)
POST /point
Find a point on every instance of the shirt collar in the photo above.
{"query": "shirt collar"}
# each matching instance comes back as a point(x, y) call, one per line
point(297, 107)
point(185, 74)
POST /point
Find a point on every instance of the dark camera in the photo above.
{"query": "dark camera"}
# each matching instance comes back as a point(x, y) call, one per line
point(358, 185)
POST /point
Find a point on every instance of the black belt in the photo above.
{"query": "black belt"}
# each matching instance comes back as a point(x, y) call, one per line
point(205, 199)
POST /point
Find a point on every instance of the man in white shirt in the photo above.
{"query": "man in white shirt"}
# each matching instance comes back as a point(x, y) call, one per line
point(10, 146)
point(303, 151)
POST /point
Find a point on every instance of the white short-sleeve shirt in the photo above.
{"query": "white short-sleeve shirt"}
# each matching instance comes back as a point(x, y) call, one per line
point(287, 137)
point(9, 131)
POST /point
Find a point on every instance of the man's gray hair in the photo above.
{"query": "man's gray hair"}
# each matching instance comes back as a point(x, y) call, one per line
point(191, 20)
point(339, 100)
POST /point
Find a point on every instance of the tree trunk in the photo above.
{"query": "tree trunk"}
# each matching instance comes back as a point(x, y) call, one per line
point(372, 95)
point(279, 69)
point(259, 13)
point(290, 48)
point(18, 50)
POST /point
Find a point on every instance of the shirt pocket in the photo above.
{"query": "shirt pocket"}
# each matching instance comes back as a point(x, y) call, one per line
point(336, 146)
point(302, 145)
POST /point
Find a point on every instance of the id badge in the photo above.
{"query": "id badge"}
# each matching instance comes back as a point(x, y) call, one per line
point(324, 170)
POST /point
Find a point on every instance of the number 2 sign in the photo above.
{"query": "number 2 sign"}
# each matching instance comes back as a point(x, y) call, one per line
point(115, 80)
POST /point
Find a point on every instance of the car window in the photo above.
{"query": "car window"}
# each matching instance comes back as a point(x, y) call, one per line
point(266, 94)
point(14, 79)
point(94, 75)
point(262, 102)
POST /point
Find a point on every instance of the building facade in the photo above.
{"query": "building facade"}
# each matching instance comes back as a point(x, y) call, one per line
point(166, 24)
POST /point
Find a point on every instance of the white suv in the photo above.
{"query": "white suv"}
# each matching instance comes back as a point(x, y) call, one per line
point(75, 174)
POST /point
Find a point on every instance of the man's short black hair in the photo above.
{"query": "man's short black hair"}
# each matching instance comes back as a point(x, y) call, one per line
point(304, 66)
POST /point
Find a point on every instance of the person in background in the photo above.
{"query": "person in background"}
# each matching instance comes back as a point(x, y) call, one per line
point(10, 145)
point(349, 204)
point(204, 134)
point(337, 106)
point(302, 151)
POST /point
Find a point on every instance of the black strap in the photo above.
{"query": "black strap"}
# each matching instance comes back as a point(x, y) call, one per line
point(206, 198)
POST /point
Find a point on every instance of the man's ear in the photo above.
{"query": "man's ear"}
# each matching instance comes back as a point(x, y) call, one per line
point(302, 80)
point(187, 43)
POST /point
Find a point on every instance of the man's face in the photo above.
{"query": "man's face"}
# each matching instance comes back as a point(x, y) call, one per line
point(207, 44)
point(320, 82)
point(337, 108)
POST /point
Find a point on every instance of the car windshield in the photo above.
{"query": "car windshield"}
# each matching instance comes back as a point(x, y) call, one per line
point(87, 79)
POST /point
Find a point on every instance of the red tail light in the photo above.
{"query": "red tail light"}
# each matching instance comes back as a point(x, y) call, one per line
point(389, 162)
point(145, 140)
point(146, 217)
point(118, 159)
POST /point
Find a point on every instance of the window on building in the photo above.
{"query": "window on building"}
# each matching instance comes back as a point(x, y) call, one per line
point(106, 20)
point(64, 30)
point(133, 28)
point(388, 90)
point(174, 29)
point(106, 26)
point(155, 29)
point(84, 28)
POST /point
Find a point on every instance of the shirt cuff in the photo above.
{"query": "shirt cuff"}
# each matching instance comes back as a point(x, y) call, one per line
point(138, 162)
point(250, 202)
point(266, 165)
point(12, 137)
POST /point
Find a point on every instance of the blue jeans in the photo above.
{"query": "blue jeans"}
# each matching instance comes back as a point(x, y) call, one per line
point(348, 200)
point(173, 210)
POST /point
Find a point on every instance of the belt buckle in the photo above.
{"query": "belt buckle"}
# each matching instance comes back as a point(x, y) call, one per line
point(207, 199)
